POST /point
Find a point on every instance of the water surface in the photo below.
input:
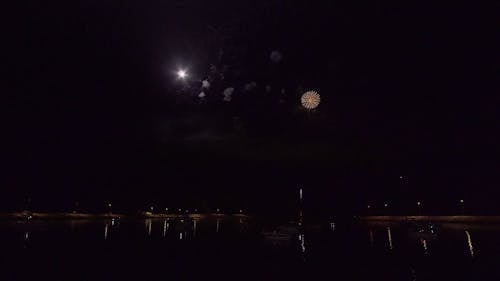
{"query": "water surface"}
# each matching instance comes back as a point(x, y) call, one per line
point(233, 249)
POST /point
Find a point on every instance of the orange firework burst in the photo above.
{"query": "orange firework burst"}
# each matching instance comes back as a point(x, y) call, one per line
point(310, 99)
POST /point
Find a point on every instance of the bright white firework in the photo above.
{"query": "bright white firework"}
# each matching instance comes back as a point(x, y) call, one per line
point(181, 74)
point(310, 99)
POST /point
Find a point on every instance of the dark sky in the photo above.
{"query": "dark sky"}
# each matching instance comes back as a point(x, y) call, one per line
point(95, 113)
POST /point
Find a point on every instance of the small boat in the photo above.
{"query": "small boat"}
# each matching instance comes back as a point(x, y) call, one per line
point(423, 231)
point(275, 236)
point(281, 233)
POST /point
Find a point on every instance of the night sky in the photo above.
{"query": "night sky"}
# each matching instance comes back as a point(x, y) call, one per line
point(95, 112)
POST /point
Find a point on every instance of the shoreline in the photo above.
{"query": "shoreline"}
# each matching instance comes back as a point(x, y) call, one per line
point(147, 215)
point(144, 215)
point(450, 219)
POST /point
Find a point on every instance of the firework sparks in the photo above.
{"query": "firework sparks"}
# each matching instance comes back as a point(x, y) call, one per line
point(310, 99)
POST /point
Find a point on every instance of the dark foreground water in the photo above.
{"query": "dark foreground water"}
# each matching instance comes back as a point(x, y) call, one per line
point(232, 249)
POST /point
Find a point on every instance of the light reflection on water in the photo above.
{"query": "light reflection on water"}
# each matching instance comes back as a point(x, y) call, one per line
point(421, 251)
point(424, 245)
point(302, 239)
point(469, 243)
point(106, 232)
point(389, 237)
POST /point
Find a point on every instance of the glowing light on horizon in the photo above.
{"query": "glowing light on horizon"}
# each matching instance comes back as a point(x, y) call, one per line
point(310, 99)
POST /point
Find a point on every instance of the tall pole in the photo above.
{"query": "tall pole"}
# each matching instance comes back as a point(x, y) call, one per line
point(300, 207)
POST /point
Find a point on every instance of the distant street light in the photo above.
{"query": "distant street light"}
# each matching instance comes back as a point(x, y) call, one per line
point(151, 208)
point(385, 205)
